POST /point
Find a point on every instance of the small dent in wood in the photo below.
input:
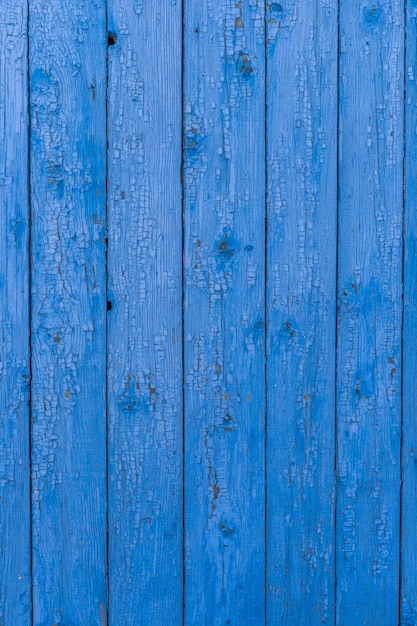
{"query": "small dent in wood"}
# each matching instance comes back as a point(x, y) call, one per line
point(228, 423)
point(226, 529)
point(287, 328)
point(92, 88)
point(259, 327)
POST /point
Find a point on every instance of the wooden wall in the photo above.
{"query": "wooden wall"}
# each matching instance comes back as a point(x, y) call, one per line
point(208, 303)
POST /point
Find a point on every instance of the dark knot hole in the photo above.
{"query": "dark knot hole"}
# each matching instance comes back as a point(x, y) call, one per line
point(111, 39)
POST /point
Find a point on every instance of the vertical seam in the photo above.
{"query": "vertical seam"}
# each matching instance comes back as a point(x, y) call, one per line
point(266, 325)
point(107, 317)
point(336, 439)
point(30, 305)
point(183, 301)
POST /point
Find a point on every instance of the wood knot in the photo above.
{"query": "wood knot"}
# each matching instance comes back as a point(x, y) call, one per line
point(277, 10)
point(244, 65)
point(372, 16)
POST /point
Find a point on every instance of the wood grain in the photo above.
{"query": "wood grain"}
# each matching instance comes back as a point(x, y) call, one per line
point(370, 310)
point(208, 255)
point(15, 577)
point(301, 305)
point(408, 590)
point(145, 321)
point(68, 190)
point(224, 323)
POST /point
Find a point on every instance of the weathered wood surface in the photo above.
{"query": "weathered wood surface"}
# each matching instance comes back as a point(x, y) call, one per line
point(408, 577)
point(370, 311)
point(224, 316)
point(15, 575)
point(301, 303)
point(207, 353)
point(68, 43)
point(145, 320)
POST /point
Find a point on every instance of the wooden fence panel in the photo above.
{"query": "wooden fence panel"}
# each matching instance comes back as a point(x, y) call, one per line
point(68, 190)
point(301, 323)
point(370, 310)
point(207, 312)
point(224, 323)
point(145, 320)
point(15, 575)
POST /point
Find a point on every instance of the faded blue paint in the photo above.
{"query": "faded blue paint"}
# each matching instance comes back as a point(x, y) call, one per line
point(301, 299)
point(227, 179)
point(408, 590)
point(224, 315)
point(369, 311)
point(68, 192)
point(145, 321)
point(15, 575)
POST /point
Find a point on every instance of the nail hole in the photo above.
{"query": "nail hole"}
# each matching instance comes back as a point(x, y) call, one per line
point(109, 305)
point(111, 39)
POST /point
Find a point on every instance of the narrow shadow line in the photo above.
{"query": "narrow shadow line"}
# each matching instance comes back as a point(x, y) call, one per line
point(336, 439)
point(182, 178)
point(266, 325)
point(30, 304)
point(111, 39)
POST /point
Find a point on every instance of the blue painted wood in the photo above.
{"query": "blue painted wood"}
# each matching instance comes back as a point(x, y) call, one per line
point(326, 531)
point(224, 211)
point(145, 321)
point(68, 165)
point(15, 601)
point(369, 322)
point(408, 590)
point(301, 301)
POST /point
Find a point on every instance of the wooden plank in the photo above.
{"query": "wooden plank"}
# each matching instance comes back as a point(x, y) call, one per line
point(370, 310)
point(224, 89)
point(15, 601)
point(68, 147)
point(301, 310)
point(145, 322)
point(408, 591)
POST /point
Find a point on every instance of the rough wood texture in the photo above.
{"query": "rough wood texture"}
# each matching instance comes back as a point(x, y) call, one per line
point(408, 591)
point(301, 300)
point(224, 312)
point(369, 321)
point(68, 187)
point(145, 322)
point(251, 263)
point(14, 318)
